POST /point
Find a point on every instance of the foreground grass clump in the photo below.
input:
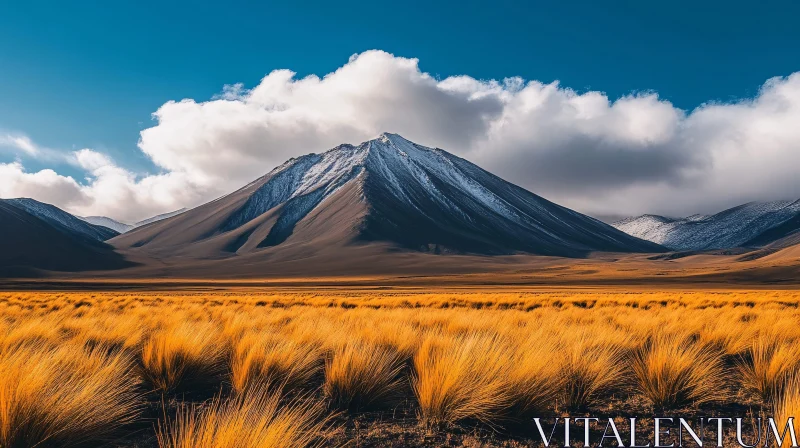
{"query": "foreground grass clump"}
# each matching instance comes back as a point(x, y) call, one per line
point(256, 419)
point(673, 371)
point(590, 369)
point(766, 365)
point(463, 377)
point(280, 363)
point(363, 376)
point(185, 354)
point(535, 378)
point(65, 396)
point(787, 404)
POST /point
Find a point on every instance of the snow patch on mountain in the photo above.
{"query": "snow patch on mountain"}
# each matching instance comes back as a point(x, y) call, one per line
point(653, 228)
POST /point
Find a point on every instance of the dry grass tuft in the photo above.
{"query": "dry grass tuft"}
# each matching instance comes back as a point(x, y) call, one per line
point(462, 377)
point(589, 370)
point(186, 354)
point(673, 371)
point(787, 404)
point(535, 379)
point(65, 396)
point(255, 419)
point(361, 376)
point(765, 367)
point(274, 361)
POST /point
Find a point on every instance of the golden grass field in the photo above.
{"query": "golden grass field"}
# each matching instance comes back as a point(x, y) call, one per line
point(376, 367)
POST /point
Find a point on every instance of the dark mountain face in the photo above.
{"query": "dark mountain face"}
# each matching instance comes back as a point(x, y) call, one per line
point(787, 230)
point(57, 217)
point(30, 243)
point(389, 191)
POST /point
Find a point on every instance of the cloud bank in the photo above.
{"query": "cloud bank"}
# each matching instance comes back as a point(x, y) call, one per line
point(631, 155)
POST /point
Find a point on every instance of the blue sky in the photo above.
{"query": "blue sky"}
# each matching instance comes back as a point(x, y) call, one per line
point(90, 74)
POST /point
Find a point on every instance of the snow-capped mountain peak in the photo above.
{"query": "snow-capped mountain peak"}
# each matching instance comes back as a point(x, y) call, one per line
point(392, 190)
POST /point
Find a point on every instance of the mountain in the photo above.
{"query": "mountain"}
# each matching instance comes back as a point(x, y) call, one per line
point(112, 224)
point(56, 216)
point(32, 242)
point(122, 227)
point(784, 234)
point(755, 224)
point(156, 218)
point(386, 192)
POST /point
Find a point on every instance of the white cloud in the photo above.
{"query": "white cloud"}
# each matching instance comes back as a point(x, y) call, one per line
point(635, 154)
point(109, 190)
point(20, 142)
point(45, 185)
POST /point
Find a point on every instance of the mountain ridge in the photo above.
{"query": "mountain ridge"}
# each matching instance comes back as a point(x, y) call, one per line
point(122, 227)
point(34, 243)
point(385, 190)
point(753, 224)
point(105, 221)
point(59, 217)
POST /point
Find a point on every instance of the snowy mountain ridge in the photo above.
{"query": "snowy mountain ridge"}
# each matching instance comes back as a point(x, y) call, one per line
point(157, 218)
point(104, 221)
point(122, 227)
point(60, 218)
point(387, 189)
point(386, 157)
point(738, 226)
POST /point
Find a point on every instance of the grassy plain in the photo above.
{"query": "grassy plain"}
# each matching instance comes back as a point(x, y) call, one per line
point(297, 367)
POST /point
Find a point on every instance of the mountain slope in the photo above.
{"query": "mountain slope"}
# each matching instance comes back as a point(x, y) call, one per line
point(785, 234)
point(32, 243)
point(104, 221)
point(156, 218)
point(386, 191)
point(755, 224)
point(56, 216)
point(647, 227)
point(121, 227)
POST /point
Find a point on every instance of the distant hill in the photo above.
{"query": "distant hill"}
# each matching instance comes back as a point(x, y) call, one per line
point(122, 227)
point(55, 215)
point(104, 221)
point(755, 224)
point(32, 243)
point(157, 218)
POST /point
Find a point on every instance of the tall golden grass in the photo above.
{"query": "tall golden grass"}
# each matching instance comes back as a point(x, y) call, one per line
point(786, 404)
point(462, 377)
point(271, 360)
point(767, 364)
point(673, 371)
point(361, 376)
point(186, 352)
point(76, 367)
point(590, 368)
point(64, 396)
point(256, 419)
